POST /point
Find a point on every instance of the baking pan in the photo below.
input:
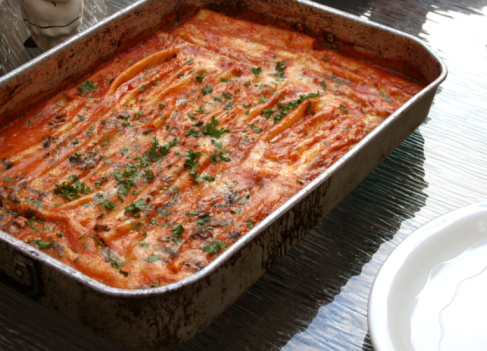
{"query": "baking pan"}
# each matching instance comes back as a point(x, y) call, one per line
point(171, 314)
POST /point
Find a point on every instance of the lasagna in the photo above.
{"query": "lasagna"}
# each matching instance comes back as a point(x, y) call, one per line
point(143, 172)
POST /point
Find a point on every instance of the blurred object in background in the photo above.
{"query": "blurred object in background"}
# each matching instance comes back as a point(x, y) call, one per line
point(51, 22)
point(17, 47)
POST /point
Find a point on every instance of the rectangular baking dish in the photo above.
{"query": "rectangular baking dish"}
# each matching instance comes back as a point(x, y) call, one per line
point(172, 314)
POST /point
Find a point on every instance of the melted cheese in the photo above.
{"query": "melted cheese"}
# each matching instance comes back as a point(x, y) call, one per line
point(144, 172)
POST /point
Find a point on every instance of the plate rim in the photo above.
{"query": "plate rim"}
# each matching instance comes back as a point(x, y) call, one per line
point(383, 282)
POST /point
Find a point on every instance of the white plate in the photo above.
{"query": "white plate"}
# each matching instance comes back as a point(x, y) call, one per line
point(431, 293)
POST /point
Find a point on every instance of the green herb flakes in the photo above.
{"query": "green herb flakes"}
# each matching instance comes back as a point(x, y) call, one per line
point(153, 258)
point(207, 89)
point(215, 247)
point(177, 230)
point(385, 97)
point(87, 86)
point(255, 128)
point(41, 244)
point(72, 189)
point(136, 206)
point(256, 71)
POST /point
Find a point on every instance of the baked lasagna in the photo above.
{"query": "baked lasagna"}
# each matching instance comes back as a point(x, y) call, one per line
point(142, 173)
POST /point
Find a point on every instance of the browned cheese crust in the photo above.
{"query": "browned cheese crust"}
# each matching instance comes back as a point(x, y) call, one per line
point(148, 169)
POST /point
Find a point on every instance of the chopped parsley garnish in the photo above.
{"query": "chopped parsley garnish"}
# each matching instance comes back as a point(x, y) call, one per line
point(72, 189)
point(125, 179)
point(250, 223)
point(201, 110)
point(177, 230)
point(191, 163)
point(116, 265)
point(256, 71)
point(124, 273)
point(41, 244)
point(207, 89)
point(30, 224)
point(164, 212)
point(122, 116)
point(263, 99)
point(228, 105)
point(280, 68)
point(339, 81)
point(215, 246)
point(136, 206)
point(200, 76)
point(34, 202)
point(153, 153)
point(208, 178)
point(87, 86)
point(148, 175)
point(153, 285)
point(8, 180)
point(153, 258)
point(207, 129)
point(97, 240)
point(217, 144)
point(267, 113)
point(344, 108)
point(323, 84)
point(255, 128)
point(219, 156)
point(385, 97)
point(109, 205)
point(90, 131)
point(285, 108)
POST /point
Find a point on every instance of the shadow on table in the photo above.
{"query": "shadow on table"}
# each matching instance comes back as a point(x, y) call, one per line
point(367, 346)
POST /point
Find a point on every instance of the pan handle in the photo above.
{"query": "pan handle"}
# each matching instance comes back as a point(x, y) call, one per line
point(20, 273)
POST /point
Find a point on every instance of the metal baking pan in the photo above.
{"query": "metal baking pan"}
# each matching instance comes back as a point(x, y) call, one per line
point(171, 314)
